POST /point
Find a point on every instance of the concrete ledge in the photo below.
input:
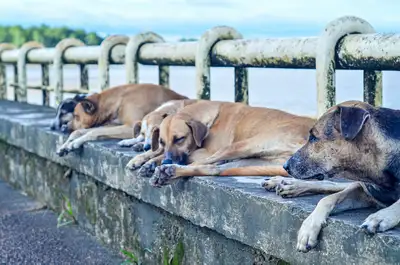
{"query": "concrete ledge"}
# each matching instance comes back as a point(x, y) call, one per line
point(235, 208)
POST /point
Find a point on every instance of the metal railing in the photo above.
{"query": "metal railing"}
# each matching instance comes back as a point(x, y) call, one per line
point(345, 43)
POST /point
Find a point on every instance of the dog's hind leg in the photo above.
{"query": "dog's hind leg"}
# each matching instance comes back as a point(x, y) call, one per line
point(353, 197)
point(166, 173)
point(251, 147)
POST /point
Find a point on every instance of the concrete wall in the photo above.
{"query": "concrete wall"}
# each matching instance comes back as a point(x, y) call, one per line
point(203, 220)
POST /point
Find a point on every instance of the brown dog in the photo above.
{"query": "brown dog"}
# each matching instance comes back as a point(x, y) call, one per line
point(357, 141)
point(114, 112)
point(146, 132)
point(211, 132)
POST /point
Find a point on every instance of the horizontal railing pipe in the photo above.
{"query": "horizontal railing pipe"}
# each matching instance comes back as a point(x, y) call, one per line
point(345, 43)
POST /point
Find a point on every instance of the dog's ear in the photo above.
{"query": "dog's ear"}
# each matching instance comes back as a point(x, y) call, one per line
point(352, 120)
point(199, 131)
point(90, 104)
point(155, 136)
point(136, 129)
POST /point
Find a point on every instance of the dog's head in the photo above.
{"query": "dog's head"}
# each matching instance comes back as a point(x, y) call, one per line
point(341, 143)
point(146, 128)
point(65, 112)
point(179, 136)
point(85, 114)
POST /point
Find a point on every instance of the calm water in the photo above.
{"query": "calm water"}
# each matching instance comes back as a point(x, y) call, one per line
point(287, 89)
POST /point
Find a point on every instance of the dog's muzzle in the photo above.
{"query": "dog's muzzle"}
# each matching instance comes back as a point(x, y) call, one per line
point(170, 158)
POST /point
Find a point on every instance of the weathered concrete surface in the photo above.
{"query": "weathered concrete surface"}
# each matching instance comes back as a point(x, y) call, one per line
point(238, 210)
point(29, 235)
point(117, 219)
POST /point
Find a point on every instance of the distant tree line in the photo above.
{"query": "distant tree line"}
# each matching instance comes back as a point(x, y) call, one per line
point(48, 36)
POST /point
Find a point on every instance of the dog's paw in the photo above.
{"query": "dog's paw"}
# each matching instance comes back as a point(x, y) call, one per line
point(138, 147)
point(147, 170)
point(381, 221)
point(163, 175)
point(307, 237)
point(62, 151)
point(289, 188)
point(133, 164)
point(271, 183)
point(127, 142)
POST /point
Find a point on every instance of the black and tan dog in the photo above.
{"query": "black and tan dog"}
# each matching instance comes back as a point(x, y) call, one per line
point(356, 141)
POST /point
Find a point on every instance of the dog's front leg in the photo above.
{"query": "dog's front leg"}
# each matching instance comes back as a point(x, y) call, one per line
point(73, 136)
point(92, 134)
point(291, 187)
point(383, 220)
point(352, 197)
point(131, 142)
point(139, 160)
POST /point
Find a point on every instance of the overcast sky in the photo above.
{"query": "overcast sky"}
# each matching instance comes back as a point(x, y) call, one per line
point(189, 18)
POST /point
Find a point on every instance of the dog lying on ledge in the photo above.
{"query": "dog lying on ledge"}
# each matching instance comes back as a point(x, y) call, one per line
point(113, 112)
point(359, 142)
point(208, 133)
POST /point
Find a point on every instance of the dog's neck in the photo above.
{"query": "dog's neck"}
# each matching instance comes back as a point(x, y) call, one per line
point(107, 112)
point(388, 123)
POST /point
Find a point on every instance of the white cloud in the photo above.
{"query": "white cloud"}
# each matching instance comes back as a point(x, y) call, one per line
point(143, 14)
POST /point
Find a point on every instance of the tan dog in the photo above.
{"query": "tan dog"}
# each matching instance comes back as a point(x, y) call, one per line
point(113, 112)
point(146, 131)
point(211, 132)
point(357, 141)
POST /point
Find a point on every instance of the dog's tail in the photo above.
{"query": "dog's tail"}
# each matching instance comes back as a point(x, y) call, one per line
point(255, 171)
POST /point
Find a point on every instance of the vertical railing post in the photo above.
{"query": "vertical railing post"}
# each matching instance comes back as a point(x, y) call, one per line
point(58, 62)
point(45, 85)
point(21, 89)
point(326, 62)
point(203, 73)
point(132, 58)
point(104, 58)
point(84, 76)
point(3, 75)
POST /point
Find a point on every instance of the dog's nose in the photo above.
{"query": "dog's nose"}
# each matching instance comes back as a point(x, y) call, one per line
point(286, 166)
point(64, 128)
point(146, 147)
point(166, 162)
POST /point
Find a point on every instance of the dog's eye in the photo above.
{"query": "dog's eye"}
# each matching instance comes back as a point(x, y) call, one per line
point(179, 140)
point(76, 117)
point(161, 142)
point(312, 138)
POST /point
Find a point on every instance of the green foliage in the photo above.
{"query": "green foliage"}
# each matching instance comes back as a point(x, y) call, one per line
point(66, 216)
point(187, 39)
point(130, 258)
point(49, 36)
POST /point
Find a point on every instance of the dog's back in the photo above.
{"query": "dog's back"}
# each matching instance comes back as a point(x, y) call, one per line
point(123, 104)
